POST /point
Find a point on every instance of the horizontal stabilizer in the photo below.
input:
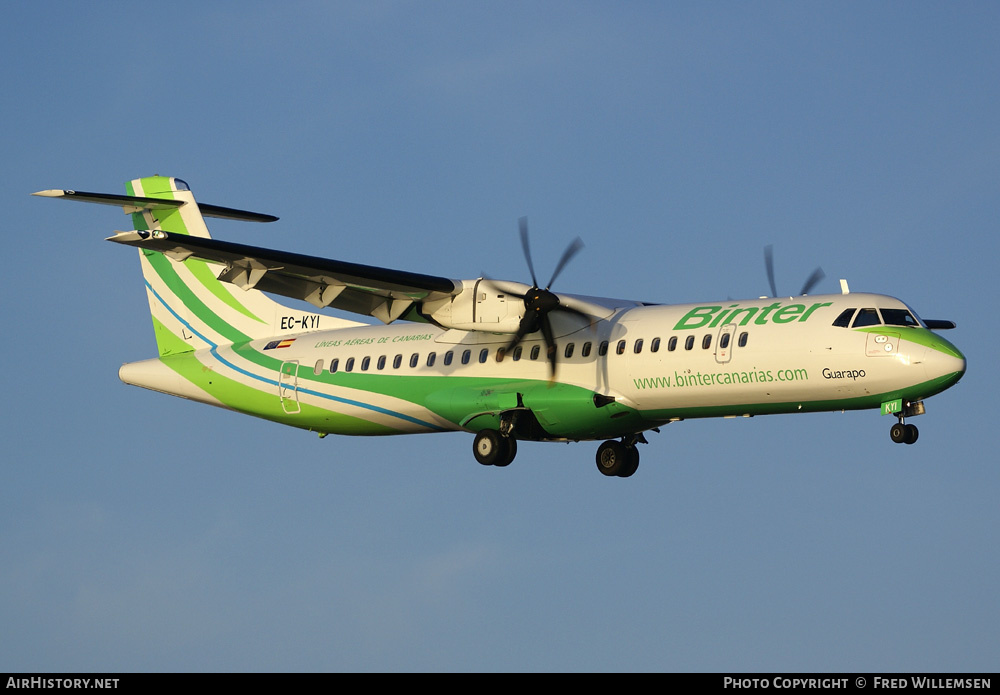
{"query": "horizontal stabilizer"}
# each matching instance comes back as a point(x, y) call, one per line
point(133, 203)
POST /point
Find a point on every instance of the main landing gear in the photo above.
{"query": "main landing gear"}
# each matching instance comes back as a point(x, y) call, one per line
point(617, 458)
point(494, 449)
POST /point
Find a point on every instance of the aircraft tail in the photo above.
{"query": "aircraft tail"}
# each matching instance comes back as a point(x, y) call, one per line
point(191, 306)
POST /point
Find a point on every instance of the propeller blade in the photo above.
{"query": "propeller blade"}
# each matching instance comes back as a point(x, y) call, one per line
point(590, 318)
point(526, 326)
point(816, 276)
point(494, 285)
point(570, 251)
point(769, 264)
point(523, 227)
point(550, 346)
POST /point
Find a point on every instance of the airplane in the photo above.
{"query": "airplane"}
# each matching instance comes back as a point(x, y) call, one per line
point(505, 361)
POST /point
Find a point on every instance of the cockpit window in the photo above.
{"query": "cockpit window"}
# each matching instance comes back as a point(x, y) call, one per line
point(867, 317)
point(898, 317)
point(844, 320)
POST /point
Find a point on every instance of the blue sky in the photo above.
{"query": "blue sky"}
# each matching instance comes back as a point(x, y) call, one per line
point(141, 532)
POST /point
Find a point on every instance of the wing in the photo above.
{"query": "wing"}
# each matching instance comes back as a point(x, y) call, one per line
point(361, 289)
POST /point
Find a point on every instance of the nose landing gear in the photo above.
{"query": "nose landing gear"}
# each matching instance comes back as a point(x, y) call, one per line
point(901, 433)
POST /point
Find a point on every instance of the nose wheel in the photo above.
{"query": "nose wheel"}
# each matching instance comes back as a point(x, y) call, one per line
point(903, 434)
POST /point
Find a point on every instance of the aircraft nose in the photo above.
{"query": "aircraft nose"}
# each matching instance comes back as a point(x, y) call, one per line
point(945, 361)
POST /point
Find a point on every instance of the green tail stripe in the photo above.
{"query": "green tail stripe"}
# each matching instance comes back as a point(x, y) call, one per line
point(161, 264)
point(168, 342)
point(207, 278)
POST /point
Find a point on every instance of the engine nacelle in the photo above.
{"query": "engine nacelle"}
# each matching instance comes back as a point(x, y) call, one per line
point(480, 306)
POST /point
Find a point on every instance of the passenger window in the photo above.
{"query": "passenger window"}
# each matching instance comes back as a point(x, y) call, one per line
point(349, 365)
point(318, 369)
point(517, 353)
point(743, 340)
point(334, 363)
point(364, 363)
point(466, 356)
point(430, 358)
point(415, 360)
point(483, 354)
point(672, 344)
point(447, 357)
point(844, 320)
point(585, 350)
point(655, 345)
point(381, 362)
point(534, 352)
point(724, 341)
point(603, 349)
point(620, 348)
point(706, 342)
point(500, 354)
point(569, 350)
point(397, 361)
point(638, 346)
point(867, 317)
point(689, 342)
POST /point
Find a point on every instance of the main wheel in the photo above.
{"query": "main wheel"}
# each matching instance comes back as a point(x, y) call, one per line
point(632, 464)
point(612, 456)
point(493, 449)
point(511, 446)
point(911, 434)
point(488, 447)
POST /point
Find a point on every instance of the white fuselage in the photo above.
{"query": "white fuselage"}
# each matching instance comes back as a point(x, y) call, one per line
point(658, 363)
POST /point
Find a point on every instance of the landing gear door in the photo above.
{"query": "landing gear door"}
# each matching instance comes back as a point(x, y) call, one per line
point(724, 345)
point(288, 387)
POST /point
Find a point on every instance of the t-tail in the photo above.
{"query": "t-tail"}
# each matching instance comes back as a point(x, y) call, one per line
point(193, 304)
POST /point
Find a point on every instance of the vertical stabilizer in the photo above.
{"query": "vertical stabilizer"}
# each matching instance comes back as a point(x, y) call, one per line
point(190, 306)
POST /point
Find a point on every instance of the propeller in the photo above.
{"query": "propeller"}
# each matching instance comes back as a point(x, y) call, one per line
point(539, 303)
point(811, 281)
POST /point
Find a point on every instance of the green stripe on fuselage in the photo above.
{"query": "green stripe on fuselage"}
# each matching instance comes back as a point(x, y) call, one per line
point(266, 404)
point(918, 335)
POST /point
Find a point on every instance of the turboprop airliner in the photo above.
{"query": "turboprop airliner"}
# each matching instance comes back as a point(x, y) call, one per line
point(504, 361)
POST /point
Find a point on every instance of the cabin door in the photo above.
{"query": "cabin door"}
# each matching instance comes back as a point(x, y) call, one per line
point(724, 344)
point(288, 387)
